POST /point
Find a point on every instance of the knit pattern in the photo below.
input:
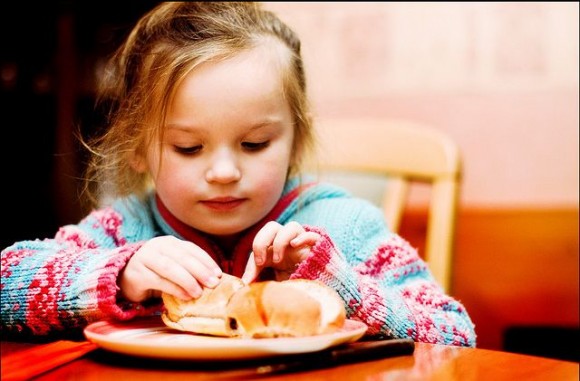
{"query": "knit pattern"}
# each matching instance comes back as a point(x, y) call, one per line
point(70, 280)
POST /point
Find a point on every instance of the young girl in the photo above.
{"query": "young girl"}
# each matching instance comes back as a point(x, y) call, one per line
point(208, 122)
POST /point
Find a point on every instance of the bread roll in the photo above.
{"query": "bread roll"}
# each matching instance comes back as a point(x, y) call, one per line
point(291, 308)
point(205, 314)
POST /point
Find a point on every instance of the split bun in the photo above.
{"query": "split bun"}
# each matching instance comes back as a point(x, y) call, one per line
point(290, 308)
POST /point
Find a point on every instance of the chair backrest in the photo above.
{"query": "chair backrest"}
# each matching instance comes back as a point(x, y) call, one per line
point(404, 152)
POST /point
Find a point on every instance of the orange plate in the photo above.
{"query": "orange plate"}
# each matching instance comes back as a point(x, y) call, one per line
point(152, 338)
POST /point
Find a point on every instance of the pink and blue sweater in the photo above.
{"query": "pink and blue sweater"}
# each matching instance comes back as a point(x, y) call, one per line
point(66, 282)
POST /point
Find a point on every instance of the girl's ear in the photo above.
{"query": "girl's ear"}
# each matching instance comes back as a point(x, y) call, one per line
point(138, 162)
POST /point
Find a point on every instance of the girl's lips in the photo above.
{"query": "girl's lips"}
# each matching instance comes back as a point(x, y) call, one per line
point(223, 203)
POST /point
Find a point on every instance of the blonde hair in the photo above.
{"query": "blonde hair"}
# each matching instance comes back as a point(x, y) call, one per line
point(164, 46)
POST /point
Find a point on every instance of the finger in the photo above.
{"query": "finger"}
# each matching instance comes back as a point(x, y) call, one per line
point(149, 284)
point(204, 258)
point(169, 287)
point(282, 240)
point(305, 239)
point(251, 271)
point(195, 261)
point(263, 241)
point(177, 248)
point(170, 270)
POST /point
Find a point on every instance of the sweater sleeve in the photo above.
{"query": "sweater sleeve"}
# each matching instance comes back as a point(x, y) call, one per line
point(382, 279)
point(392, 291)
point(66, 282)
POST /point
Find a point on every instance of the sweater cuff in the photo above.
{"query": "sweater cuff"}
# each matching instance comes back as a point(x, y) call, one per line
point(324, 262)
point(107, 289)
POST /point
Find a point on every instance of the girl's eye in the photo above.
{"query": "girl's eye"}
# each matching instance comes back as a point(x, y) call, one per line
point(250, 146)
point(188, 150)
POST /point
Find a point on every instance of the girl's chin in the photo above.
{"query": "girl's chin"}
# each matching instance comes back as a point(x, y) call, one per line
point(224, 227)
point(230, 232)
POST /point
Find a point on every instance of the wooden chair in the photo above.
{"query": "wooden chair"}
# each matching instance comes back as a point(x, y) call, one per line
point(404, 153)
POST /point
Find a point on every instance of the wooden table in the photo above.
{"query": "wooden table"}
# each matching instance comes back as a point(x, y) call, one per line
point(429, 362)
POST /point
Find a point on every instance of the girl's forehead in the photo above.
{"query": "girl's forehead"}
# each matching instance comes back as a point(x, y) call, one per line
point(251, 72)
point(265, 53)
point(246, 89)
point(265, 50)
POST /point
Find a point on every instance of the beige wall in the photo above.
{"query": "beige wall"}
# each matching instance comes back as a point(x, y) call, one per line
point(500, 78)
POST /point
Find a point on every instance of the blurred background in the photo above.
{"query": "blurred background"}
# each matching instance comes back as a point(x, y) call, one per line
point(501, 78)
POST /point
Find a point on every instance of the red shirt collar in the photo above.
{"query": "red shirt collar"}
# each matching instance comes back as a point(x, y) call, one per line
point(232, 263)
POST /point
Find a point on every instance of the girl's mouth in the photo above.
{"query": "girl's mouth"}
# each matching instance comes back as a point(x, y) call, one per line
point(223, 203)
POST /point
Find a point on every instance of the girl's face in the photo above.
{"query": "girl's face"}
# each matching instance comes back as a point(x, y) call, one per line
point(227, 144)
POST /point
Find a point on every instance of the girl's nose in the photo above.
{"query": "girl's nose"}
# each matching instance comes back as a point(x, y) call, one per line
point(223, 168)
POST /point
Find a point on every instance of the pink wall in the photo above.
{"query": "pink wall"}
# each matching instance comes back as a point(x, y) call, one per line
point(500, 78)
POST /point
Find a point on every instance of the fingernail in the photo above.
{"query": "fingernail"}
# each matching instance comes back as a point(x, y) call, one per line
point(217, 271)
point(213, 281)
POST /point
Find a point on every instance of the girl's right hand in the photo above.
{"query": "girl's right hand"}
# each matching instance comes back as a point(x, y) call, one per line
point(168, 264)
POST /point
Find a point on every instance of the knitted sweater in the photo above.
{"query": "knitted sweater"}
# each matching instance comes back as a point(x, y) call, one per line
point(54, 285)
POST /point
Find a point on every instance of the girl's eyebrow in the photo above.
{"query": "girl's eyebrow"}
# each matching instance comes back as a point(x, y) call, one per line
point(181, 127)
point(266, 123)
point(255, 126)
point(261, 125)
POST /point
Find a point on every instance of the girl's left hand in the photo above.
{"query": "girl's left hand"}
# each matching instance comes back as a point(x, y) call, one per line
point(281, 247)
